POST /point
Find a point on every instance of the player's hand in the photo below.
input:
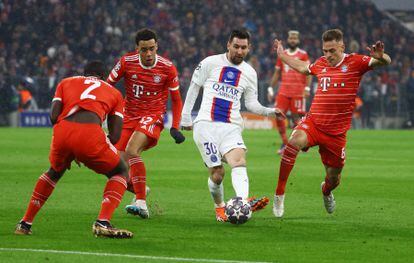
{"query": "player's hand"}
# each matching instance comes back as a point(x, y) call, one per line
point(187, 128)
point(278, 47)
point(177, 135)
point(306, 92)
point(279, 114)
point(270, 94)
point(377, 50)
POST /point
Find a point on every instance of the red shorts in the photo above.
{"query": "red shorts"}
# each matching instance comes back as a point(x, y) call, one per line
point(294, 104)
point(148, 125)
point(331, 147)
point(85, 142)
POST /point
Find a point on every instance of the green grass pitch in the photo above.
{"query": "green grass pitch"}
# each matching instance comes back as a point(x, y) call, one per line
point(373, 221)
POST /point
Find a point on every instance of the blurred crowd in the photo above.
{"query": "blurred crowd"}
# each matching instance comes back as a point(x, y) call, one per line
point(43, 41)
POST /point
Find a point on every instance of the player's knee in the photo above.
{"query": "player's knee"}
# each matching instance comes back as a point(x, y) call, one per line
point(131, 152)
point(239, 161)
point(298, 139)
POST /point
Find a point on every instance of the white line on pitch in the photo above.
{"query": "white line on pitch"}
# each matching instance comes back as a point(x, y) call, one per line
point(125, 255)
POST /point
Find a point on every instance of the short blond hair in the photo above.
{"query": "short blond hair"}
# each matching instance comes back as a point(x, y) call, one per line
point(293, 32)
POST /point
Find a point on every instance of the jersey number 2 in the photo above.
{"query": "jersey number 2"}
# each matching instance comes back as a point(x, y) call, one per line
point(95, 85)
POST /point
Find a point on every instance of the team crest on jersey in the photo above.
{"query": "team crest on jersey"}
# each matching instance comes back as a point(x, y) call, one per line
point(230, 75)
point(324, 70)
point(134, 76)
point(344, 68)
point(157, 78)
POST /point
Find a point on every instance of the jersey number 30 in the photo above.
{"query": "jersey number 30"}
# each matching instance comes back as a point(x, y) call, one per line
point(95, 85)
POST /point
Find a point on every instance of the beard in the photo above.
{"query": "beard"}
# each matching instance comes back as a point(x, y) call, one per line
point(236, 60)
point(292, 46)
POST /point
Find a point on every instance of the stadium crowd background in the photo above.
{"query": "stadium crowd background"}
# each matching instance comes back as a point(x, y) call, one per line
point(42, 42)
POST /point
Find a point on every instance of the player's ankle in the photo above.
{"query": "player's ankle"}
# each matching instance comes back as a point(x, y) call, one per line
point(140, 202)
point(222, 204)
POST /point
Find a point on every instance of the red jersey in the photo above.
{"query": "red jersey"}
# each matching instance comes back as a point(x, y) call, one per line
point(292, 83)
point(88, 93)
point(334, 100)
point(146, 87)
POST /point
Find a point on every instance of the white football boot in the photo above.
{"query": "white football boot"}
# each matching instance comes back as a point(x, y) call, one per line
point(279, 205)
point(329, 201)
point(139, 207)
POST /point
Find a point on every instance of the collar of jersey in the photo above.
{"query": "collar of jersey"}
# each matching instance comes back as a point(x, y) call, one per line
point(342, 60)
point(292, 53)
point(144, 67)
point(225, 57)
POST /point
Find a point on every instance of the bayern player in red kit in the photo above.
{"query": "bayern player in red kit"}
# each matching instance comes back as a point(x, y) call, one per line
point(79, 107)
point(294, 86)
point(149, 78)
point(330, 115)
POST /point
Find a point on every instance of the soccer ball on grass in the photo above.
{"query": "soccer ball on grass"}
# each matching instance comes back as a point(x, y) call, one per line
point(238, 210)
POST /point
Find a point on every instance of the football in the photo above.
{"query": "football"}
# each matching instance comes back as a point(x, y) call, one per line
point(238, 210)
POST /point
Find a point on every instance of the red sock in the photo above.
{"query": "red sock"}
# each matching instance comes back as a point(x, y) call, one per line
point(281, 126)
point(43, 189)
point(329, 186)
point(113, 193)
point(286, 165)
point(137, 174)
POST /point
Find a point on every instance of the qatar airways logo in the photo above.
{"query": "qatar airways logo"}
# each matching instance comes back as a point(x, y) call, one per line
point(226, 91)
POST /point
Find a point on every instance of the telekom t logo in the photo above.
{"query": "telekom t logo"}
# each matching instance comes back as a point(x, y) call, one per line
point(325, 83)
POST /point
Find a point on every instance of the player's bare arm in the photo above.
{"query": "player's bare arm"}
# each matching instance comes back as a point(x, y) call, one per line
point(308, 84)
point(296, 64)
point(273, 83)
point(56, 110)
point(114, 127)
point(379, 58)
point(192, 94)
point(253, 105)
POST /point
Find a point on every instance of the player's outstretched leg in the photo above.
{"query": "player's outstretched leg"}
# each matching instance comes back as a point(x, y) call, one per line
point(286, 165)
point(240, 181)
point(113, 193)
point(215, 186)
point(137, 174)
point(43, 189)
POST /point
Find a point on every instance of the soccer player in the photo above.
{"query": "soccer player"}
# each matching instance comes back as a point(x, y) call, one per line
point(218, 126)
point(330, 115)
point(294, 87)
point(79, 107)
point(149, 78)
